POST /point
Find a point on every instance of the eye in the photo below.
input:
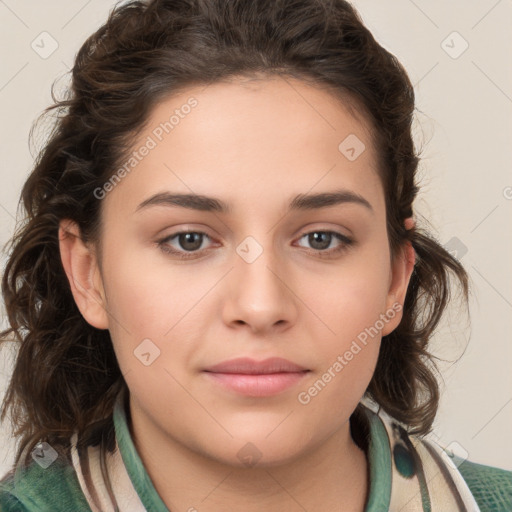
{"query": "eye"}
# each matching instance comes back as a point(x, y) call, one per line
point(322, 240)
point(186, 242)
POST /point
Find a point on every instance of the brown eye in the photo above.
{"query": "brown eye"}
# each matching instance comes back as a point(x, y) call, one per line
point(184, 242)
point(190, 241)
point(320, 241)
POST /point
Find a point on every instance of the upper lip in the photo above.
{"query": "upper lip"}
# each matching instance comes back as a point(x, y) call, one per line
point(246, 365)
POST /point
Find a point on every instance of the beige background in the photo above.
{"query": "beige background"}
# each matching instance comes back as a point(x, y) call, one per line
point(464, 98)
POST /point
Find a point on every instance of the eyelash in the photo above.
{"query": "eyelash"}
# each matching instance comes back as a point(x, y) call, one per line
point(346, 243)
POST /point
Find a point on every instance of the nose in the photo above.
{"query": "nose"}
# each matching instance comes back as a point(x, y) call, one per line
point(259, 291)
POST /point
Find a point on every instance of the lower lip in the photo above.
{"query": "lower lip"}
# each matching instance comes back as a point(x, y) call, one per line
point(257, 385)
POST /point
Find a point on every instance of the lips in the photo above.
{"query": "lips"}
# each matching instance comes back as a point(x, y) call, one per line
point(256, 378)
point(249, 366)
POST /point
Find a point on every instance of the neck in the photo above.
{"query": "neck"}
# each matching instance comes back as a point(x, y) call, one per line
point(330, 477)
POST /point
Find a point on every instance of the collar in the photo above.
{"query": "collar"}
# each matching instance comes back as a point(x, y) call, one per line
point(132, 461)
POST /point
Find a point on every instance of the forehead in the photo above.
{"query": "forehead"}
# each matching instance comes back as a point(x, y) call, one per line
point(253, 139)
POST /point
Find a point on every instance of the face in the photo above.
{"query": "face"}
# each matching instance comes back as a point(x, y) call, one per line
point(288, 259)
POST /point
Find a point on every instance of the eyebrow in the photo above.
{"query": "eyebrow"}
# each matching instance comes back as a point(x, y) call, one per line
point(300, 202)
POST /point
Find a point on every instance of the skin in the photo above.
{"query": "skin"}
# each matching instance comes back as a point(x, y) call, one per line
point(255, 145)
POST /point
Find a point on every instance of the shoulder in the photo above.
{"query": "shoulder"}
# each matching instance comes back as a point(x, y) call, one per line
point(419, 466)
point(35, 487)
point(491, 486)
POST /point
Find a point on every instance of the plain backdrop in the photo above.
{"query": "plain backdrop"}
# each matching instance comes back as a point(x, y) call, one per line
point(458, 57)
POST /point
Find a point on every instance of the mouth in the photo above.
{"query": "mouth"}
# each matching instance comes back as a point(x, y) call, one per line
point(249, 377)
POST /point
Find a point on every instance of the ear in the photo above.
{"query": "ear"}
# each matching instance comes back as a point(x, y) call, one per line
point(401, 272)
point(81, 267)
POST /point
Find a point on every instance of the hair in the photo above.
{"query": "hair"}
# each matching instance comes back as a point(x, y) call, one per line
point(66, 376)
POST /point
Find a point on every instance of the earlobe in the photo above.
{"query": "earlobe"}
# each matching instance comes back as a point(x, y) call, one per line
point(82, 270)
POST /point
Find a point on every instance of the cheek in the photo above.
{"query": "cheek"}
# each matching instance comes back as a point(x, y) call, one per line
point(351, 298)
point(147, 294)
point(351, 306)
point(154, 306)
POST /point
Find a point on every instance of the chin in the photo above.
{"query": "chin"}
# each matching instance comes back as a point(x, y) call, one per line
point(259, 451)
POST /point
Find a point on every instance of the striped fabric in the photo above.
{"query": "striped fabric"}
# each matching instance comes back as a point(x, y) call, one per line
point(407, 474)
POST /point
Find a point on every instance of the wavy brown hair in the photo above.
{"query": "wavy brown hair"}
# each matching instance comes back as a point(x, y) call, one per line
point(66, 376)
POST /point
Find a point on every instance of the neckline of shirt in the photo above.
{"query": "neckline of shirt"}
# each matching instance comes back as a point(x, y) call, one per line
point(378, 457)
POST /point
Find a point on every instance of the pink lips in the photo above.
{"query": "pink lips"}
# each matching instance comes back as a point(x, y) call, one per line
point(256, 378)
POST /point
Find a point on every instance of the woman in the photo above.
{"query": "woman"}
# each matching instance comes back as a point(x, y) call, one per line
point(221, 296)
